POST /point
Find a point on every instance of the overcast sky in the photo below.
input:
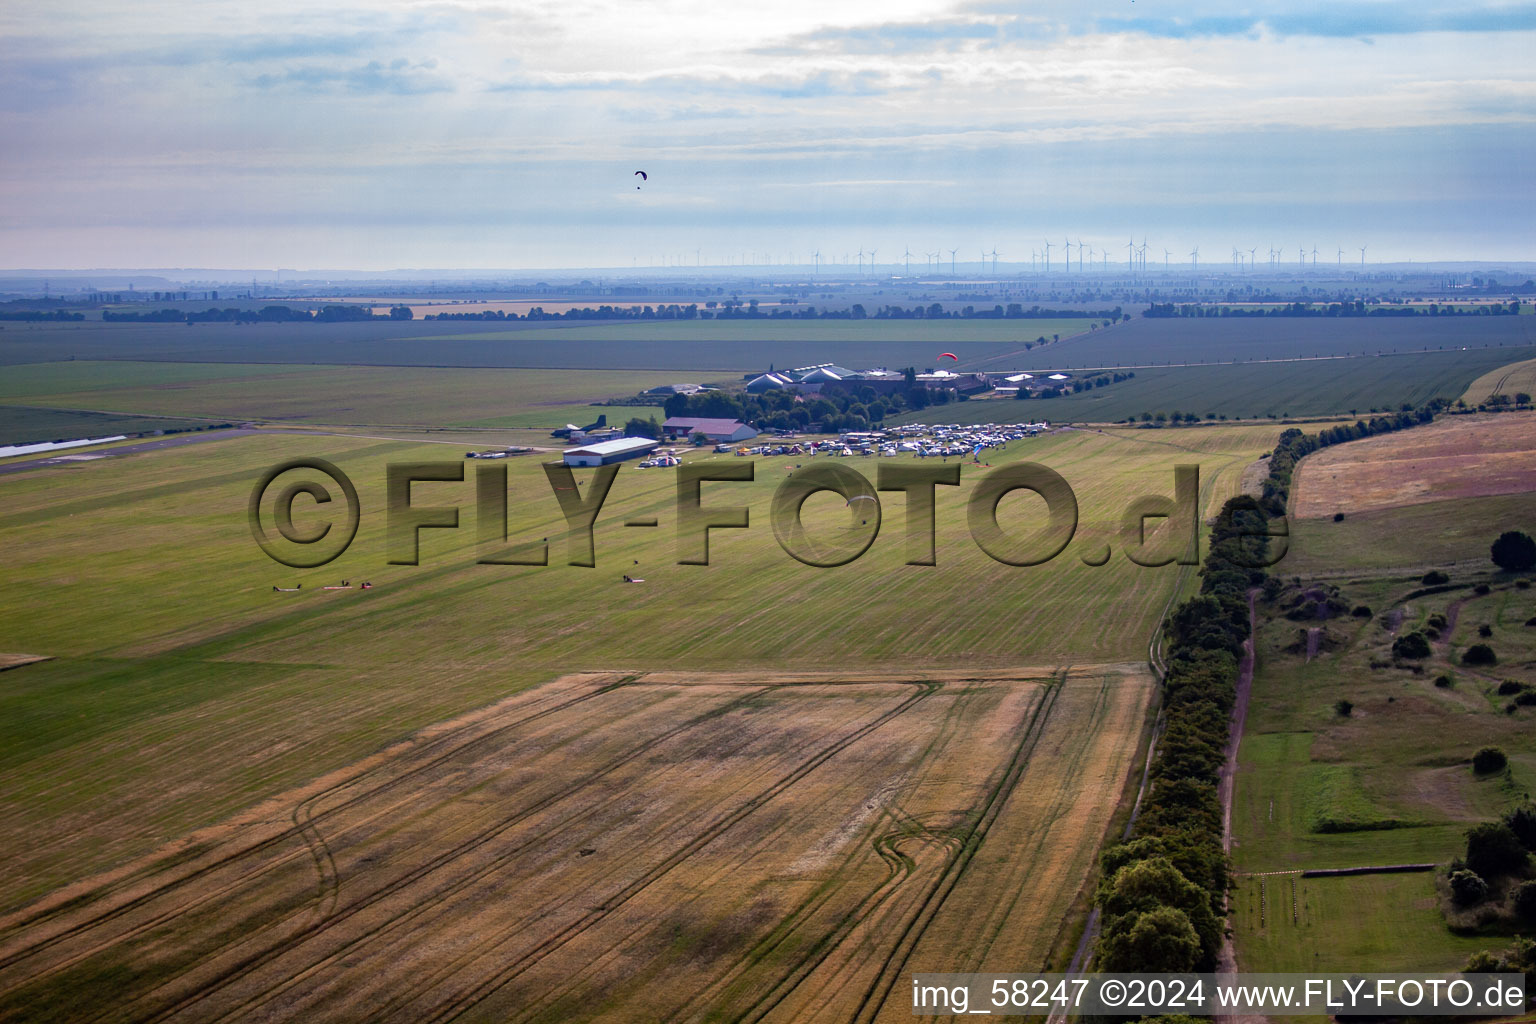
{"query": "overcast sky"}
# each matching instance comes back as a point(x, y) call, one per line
point(505, 133)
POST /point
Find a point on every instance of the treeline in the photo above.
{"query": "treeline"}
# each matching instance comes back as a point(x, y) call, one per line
point(264, 315)
point(1293, 446)
point(1358, 307)
point(1098, 380)
point(38, 315)
point(732, 309)
point(1162, 892)
point(833, 410)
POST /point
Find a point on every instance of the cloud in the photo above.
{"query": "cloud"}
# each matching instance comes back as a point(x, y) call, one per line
point(891, 37)
point(399, 77)
point(1347, 21)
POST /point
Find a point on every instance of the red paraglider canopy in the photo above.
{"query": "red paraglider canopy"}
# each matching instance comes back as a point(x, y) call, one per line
point(950, 355)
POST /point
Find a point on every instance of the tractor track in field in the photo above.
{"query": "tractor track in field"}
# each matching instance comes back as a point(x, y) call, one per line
point(878, 991)
point(885, 844)
point(442, 897)
point(255, 960)
point(506, 974)
point(315, 945)
point(298, 830)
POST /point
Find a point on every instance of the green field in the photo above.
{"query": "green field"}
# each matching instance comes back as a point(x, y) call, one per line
point(336, 395)
point(688, 347)
point(1346, 923)
point(1440, 534)
point(140, 577)
point(29, 424)
point(1310, 387)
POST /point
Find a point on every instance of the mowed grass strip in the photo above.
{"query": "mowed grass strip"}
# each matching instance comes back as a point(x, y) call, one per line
point(141, 577)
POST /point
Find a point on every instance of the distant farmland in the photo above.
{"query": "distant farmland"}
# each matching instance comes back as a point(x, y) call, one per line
point(683, 347)
point(711, 346)
point(1312, 387)
point(348, 395)
point(1216, 339)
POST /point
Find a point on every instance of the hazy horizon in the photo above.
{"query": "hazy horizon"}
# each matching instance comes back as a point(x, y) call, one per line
point(382, 136)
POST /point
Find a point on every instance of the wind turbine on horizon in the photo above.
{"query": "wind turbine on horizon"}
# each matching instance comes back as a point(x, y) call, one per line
point(1362, 255)
point(1194, 256)
point(1047, 255)
point(907, 255)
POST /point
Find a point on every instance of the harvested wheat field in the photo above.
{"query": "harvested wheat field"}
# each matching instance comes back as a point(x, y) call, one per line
point(660, 847)
point(1454, 457)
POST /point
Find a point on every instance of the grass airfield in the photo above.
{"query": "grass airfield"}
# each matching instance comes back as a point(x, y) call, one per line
point(183, 690)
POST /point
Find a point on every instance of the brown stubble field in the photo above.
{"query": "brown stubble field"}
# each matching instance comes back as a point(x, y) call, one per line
point(1455, 457)
point(622, 847)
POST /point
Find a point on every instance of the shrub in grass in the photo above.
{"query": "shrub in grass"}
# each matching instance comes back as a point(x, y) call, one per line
point(1338, 517)
point(1362, 611)
point(1514, 551)
point(1531, 621)
point(1481, 590)
point(1468, 888)
point(1479, 654)
point(1522, 822)
point(1489, 760)
point(1432, 632)
point(1434, 577)
point(1443, 682)
point(1411, 645)
point(1524, 901)
point(1438, 621)
point(1343, 708)
point(1525, 699)
point(1509, 687)
point(1493, 851)
point(1485, 631)
point(1522, 584)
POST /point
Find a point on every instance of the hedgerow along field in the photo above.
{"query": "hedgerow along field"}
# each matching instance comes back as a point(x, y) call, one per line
point(776, 846)
point(139, 575)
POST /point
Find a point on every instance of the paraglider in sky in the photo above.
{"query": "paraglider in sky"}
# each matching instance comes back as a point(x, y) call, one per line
point(643, 177)
point(951, 355)
point(860, 497)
